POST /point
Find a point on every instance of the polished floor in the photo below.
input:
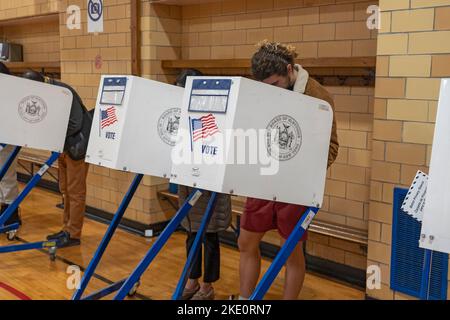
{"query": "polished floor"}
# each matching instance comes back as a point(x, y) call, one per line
point(31, 274)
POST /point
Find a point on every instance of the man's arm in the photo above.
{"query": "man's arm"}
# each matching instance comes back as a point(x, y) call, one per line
point(316, 90)
point(334, 143)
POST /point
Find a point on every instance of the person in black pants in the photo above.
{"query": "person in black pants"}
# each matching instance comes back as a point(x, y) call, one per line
point(220, 221)
point(72, 169)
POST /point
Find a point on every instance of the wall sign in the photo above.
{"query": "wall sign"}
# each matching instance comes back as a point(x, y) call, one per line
point(95, 16)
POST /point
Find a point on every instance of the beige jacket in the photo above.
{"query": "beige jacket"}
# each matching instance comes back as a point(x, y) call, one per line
point(310, 87)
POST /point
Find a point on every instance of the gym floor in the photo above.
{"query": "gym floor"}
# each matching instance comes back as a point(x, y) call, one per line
point(31, 274)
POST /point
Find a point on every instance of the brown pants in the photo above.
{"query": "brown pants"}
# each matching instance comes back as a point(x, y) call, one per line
point(72, 183)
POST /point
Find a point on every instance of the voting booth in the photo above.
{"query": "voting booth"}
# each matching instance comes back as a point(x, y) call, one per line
point(435, 234)
point(34, 114)
point(135, 124)
point(134, 128)
point(295, 131)
point(286, 135)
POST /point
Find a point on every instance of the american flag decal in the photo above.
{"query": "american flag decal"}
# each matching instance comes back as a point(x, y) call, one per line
point(204, 127)
point(108, 117)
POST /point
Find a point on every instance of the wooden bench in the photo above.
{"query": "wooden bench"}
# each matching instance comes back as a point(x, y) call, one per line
point(323, 228)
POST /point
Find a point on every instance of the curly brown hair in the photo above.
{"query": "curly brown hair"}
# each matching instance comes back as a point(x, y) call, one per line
point(272, 58)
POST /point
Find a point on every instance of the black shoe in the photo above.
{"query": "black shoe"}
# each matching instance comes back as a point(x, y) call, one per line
point(55, 235)
point(15, 218)
point(65, 241)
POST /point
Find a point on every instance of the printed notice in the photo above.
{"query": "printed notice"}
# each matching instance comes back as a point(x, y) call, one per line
point(415, 199)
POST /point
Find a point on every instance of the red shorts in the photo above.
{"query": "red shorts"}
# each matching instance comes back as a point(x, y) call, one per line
point(264, 215)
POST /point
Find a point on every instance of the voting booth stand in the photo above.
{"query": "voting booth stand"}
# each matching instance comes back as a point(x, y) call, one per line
point(435, 235)
point(120, 139)
point(427, 204)
point(35, 116)
point(10, 230)
point(298, 141)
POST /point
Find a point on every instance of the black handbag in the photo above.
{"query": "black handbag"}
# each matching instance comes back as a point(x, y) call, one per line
point(78, 143)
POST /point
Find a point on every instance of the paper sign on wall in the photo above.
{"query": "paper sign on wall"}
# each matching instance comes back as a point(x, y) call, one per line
point(95, 16)
point(415, 199)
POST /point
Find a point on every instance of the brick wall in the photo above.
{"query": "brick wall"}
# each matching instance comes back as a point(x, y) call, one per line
point(413, 54)
point(347, 188)
point(160, 39)
point(10, 9)
point(230, 29)
point(40, 41)
point(79, 50)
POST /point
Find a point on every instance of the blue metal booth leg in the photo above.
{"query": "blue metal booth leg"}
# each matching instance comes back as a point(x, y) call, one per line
point(9, 162)
point(107, 237)
point(158, 245)
point(31, 184)
point(425, 281)
point(284, 254)
point(8, 213)
point(195, 249)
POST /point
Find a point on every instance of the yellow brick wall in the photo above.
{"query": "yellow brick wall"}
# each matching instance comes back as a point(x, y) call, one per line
point(347, 188)
point(10, 9)
point(79, 49)
point(413, 54)
point(40, 41)
point(230, 29)
point(160, 39)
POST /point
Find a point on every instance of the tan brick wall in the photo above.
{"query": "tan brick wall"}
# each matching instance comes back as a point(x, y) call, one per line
point(40, 41)
point(160, 39)
point(230, 29)
point(10, 9)
point(79, 49)
point(413, 48)
point(348, 183)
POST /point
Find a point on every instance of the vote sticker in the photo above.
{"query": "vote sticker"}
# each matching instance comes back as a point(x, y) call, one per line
point(32, 109)
point(283, 137)
point(168, 125)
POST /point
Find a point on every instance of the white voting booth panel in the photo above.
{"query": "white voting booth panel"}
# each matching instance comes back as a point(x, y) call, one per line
point(34, 114)
point(135, 125)
point(436, 217)
point(297, 125)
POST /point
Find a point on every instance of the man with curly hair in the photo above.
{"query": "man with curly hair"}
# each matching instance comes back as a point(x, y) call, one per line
point(274, 64)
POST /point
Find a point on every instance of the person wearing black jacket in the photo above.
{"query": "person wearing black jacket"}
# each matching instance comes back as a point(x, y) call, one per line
point(72, 167)
point(9, 188)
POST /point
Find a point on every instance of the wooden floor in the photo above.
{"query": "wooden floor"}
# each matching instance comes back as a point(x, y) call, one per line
point(32, 274)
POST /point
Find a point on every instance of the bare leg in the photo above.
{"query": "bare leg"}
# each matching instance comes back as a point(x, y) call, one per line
point(250, 261)
point(295, 273)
